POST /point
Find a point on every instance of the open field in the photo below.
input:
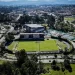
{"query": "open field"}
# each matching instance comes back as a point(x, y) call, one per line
point(11, 46)
point(70, 19)
point(47, 45)
point(1, 61)
point(52, 72)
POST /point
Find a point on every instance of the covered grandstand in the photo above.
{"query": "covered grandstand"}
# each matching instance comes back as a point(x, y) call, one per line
point(56, 33)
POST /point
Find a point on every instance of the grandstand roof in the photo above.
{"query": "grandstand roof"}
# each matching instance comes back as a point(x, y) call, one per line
point(34, 25)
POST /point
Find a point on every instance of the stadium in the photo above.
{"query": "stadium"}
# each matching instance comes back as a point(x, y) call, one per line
point(35, 40)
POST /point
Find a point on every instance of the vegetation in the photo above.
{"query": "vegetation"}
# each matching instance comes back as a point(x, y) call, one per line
point(61, 44)
point(11, 47)
point(1, 61)
point(70, 19)
point(9, 37)
point(60, 72)
point(51, 21)
point(23, 66)
point(43, 19)
point(64, 24)
point(66, 27)
point(4, 18)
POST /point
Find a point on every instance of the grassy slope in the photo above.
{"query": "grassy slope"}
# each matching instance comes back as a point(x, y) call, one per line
point(11, 46)
point(61, 44)
point(52, 72)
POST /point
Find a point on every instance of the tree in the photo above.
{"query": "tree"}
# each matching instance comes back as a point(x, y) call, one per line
point(65, 51)
point(51, 21)
point(40, 67)
point(66, 27)
point(67, 65)
point(53, 65)
point(24, 19)
point(61, 18)
point(62, 67)
point(21, 57)
point(29, 67)
point(4, 17)
point(9, 37)
point(55, 55)
point(34, 58)
point(38, 19)
point(23, 66)
point(45, 15)
point(7, 69)
point(17, 71)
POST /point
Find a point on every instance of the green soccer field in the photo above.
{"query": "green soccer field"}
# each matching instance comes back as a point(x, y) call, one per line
point(47, 45)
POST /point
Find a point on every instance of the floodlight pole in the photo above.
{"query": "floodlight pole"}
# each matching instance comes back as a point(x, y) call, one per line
point(39, 51)
point(39, 46)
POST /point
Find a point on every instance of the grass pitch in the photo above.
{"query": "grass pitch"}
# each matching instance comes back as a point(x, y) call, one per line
point(70, 19)
point(47, 45)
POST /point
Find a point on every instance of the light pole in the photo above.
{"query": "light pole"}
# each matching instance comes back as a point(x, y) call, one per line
point(38, 46)
point(39, 51)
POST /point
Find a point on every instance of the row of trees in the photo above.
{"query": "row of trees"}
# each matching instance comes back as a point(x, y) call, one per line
point(4, 18)
point(58, 24)
point(63, 66)
point(43, 19)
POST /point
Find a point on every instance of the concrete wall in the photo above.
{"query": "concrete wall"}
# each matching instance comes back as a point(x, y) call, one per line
point(31, 36)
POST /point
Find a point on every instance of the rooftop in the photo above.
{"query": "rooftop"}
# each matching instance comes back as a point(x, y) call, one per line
point(34, 25)
point(30, 33)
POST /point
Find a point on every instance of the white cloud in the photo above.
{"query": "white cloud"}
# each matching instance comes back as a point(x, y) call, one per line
point(71, 0)
point(50, 0)
point(27, 0)
point(33, 0)
point(42, 0)
point(8, 0)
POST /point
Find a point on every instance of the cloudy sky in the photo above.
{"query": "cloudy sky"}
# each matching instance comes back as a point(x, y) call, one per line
point(40, 1)
point(37, 0)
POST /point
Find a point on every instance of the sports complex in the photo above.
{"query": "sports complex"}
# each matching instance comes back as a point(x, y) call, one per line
point(44, 45)
point(40, 41)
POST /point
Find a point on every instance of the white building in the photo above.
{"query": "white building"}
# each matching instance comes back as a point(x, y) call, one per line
point(34, 28)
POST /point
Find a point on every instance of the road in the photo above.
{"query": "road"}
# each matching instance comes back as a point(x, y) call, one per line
point(10, 30)
point(73, 44)
point(68, 45)
point(2, 39)
point(50, 60)
point(6, 59)
point(19, 17)
point(42, 58)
